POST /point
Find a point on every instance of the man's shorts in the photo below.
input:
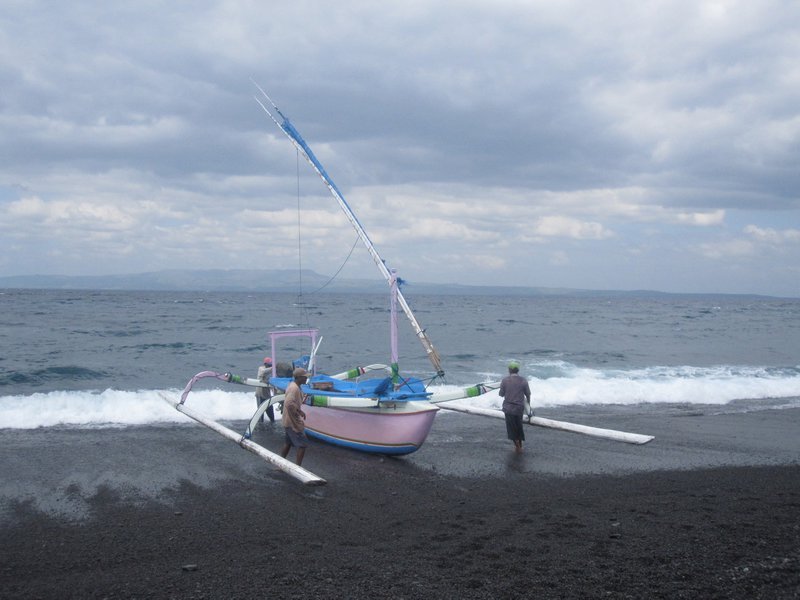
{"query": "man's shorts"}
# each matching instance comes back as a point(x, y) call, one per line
point(514, 428)
point(293, 438)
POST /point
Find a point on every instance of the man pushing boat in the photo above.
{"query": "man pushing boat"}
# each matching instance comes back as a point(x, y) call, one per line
point(294, 417)
point(516, 394)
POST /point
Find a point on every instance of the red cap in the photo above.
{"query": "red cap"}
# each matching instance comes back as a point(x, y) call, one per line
point(267, 360)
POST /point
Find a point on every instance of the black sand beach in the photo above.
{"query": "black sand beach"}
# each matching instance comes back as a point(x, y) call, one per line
point(709, 509)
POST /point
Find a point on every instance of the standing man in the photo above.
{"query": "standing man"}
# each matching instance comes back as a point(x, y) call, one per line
point(263, 394)
point(293, 416)
point(516, 394)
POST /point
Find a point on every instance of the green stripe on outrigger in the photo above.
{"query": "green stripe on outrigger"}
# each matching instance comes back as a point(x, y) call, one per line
point(475, 390)
point(319, 400)
point(353, 373)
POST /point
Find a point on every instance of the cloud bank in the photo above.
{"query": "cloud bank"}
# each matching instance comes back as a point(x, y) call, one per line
point(611, 145)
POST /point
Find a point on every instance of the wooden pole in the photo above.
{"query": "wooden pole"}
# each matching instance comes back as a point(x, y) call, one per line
point(304, 476)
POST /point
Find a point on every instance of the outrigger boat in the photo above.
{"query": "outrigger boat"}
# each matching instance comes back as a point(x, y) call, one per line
point(384, 415)
point(392, 414)
point(389, 414)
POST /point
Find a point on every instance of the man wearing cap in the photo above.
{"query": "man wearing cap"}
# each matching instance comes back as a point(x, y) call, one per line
point(293, 416)
point(263, 394)
point(516, 394)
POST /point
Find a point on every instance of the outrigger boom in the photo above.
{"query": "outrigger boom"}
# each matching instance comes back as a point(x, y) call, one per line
point(303, 475)
point(609, 434)
point(445, 400)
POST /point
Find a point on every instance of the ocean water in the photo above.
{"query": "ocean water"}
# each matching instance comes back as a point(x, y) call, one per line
point(71, 358)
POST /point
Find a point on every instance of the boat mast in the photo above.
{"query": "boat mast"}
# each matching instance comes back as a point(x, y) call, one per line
point(292, 133)
point(395, 289)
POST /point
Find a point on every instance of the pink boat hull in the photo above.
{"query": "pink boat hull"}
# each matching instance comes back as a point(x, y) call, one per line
point(396, 429)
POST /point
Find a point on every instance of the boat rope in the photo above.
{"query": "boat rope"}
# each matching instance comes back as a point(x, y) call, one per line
point(299, 231)
point(305, 318)
point(335, 275)
point(300, 247)
point(431, 380)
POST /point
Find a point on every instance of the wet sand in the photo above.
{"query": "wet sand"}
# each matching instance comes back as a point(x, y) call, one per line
point(709, 509)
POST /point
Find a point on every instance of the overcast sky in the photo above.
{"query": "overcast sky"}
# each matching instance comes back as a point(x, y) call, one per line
point(604, 145)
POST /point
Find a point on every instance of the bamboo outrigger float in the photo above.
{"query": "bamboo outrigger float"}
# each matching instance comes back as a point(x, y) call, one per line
point(609, 434)
point(388, 415)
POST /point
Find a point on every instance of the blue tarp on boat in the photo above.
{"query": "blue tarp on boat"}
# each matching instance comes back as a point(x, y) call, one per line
point(324, 385)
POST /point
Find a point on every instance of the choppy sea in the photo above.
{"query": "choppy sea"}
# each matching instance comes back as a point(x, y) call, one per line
point(71, 358)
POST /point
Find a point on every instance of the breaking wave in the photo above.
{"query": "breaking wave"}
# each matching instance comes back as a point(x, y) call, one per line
point(553, 384)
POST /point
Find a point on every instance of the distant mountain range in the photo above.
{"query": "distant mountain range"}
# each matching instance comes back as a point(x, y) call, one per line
point(287, 281)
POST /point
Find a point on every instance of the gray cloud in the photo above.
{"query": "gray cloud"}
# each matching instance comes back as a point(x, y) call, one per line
point(614, 145)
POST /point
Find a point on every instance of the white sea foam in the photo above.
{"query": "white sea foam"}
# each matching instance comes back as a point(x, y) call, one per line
point(114, 408)
point(559, 384)
point(567, 385)
point(685, 385)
